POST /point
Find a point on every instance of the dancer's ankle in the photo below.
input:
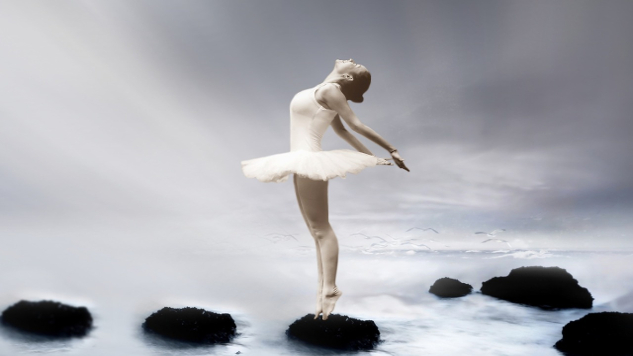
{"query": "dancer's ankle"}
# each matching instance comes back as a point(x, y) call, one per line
point(331, 292)
point(329, 301)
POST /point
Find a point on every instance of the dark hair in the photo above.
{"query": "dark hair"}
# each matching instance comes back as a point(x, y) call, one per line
point(359, 86)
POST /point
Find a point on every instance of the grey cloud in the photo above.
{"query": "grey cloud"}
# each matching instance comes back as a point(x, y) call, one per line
point(147, 107)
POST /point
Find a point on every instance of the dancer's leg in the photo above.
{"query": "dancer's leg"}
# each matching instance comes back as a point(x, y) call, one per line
point(318, 308)
point(314, 200)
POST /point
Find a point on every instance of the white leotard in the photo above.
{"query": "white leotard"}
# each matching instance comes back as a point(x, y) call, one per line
point(308, 122)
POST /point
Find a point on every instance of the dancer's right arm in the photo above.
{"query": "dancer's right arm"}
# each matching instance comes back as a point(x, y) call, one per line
point(340, 130)
point(336, 101)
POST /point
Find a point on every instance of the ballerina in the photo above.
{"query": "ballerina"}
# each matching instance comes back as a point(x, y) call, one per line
point(311, 112)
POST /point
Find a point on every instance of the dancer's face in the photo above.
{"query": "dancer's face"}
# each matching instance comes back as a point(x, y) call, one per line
point(344, 66)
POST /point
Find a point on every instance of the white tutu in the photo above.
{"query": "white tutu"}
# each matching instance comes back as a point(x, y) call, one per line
point(308, 122)
point(316, 165)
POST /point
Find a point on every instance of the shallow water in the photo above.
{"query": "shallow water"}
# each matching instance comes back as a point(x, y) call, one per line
point(267, 287)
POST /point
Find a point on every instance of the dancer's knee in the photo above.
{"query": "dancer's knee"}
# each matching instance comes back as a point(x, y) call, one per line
point(323, 233)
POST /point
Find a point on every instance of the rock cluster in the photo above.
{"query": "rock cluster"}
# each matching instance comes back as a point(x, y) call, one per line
point(450, 288)
point(545, 287)
point(191, 325)
point(607, 333)
point(338, 332)
point(48, 318)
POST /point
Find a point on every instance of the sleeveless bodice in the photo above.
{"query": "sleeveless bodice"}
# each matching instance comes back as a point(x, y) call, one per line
point(308, 120)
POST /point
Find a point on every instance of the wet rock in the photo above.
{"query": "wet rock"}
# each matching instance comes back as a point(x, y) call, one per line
point(191, 325)
point(338, 332)
point(48, 318)
point(545, 287)
point(450, 288)
point(605, 334)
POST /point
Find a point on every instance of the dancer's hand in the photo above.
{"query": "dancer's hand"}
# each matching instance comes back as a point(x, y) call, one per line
point(384, 162)
point(399, 160)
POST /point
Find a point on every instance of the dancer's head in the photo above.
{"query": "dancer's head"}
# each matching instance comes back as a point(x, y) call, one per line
point(354, 79)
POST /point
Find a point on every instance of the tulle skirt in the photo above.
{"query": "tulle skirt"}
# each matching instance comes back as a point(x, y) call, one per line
point(319, 165)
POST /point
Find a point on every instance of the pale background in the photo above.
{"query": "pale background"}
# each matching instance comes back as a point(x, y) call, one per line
point(123, 124)
point(510, 114)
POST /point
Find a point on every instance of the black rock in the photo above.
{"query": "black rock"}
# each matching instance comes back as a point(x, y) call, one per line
point(450, 288)
point(545, 287)
point(191, 325)
point(605, 334)
point(48, 318)
point(338, 332)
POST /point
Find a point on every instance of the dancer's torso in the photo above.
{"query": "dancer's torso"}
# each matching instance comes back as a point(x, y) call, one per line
point(308, 121)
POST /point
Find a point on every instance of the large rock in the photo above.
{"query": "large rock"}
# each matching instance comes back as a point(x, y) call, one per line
point(450, 288)
point(191, 325)
point(48, 318)
point(545, 287)
point(338, 332)
point(604, 334)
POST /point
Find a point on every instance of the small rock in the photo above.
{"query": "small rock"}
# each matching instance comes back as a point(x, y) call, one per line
point(545, 287)
point(605, 334)
point(338, 332)
point(192, 325)
point(450, 288)
point(48, 318)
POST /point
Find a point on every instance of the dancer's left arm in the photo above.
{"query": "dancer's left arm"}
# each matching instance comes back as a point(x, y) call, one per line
point(340, 130)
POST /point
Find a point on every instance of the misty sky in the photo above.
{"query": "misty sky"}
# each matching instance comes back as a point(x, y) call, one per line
point(510, 114)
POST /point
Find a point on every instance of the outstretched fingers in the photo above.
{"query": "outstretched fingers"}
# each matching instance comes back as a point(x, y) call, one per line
point(400, 164)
